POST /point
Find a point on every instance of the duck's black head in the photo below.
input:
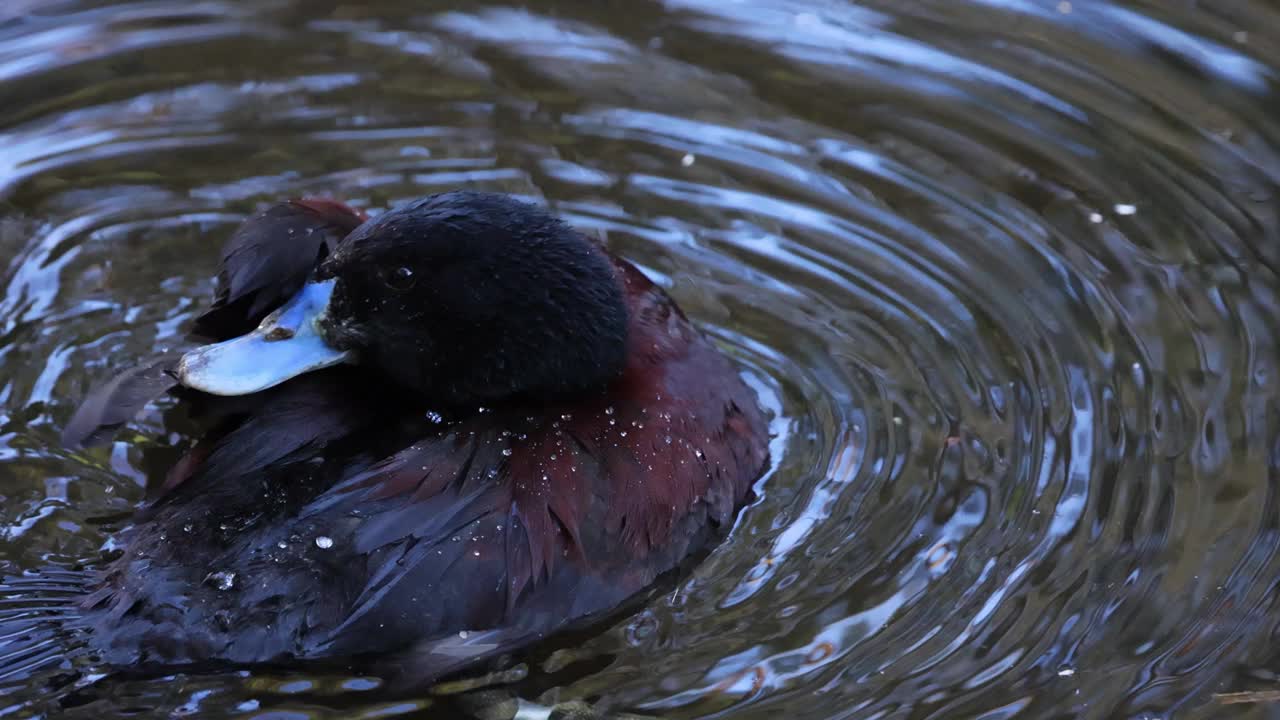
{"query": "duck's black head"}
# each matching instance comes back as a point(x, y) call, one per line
point(466, 297)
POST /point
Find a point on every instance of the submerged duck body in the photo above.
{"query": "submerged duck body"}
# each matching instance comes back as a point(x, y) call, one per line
point(487, 428)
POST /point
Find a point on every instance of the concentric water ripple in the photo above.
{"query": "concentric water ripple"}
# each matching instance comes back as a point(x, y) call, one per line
point(1006, 272)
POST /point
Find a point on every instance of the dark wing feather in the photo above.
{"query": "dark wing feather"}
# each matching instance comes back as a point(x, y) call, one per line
point(310, 412)
point(267, 431)
point(114, 403)
point(268, 258)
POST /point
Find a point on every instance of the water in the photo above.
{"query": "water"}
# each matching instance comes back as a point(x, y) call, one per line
point(1005, 270)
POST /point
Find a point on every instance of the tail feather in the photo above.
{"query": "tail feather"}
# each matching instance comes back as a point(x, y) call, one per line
point(38, 616)
point(28, 659)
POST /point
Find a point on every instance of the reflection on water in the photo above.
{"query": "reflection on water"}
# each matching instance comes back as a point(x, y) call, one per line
point(1007, 271)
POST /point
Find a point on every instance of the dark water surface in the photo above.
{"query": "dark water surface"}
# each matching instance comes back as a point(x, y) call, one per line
point(1007, 272)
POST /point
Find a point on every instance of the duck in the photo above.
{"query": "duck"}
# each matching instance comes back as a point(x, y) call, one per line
point(440, 435)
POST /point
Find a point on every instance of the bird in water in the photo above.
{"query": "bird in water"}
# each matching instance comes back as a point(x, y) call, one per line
point(438, 435)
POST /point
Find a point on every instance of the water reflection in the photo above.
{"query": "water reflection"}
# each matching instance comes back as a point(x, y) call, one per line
point(1007, 272)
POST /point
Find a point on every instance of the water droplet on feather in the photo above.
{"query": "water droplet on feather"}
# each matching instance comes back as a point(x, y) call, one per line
point(223, 579)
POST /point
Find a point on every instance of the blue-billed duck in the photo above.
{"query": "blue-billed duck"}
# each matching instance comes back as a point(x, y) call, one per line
point(442, 434)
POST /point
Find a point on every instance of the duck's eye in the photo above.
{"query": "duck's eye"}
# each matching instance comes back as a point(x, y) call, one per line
point(399, 278)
